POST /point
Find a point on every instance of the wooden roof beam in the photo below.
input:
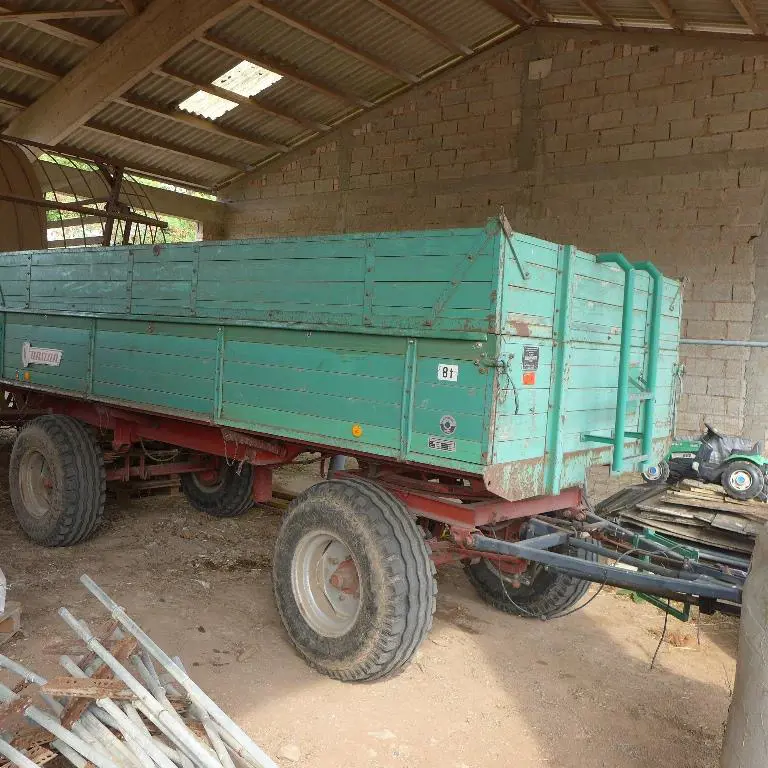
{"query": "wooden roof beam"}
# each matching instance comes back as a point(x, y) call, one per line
point(668, 13)
point(55, 29)
point(150, 141)
point(21, 64)
point(311, 29)
point(274, 64)
point(534, 9)
point(422, 27)
point(22, 16)
point(250, 102)
point(138, 47)
point(511, 11)
point(132, 7)
point(599, 13)
point(13, 102)
point(186, 118)
point(748, 12)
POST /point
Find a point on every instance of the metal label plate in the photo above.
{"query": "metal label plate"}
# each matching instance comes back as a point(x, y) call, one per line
point(39, 355)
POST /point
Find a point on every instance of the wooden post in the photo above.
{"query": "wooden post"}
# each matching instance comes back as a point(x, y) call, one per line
point(746, 738)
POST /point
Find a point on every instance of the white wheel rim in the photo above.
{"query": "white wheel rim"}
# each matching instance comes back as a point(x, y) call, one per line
point(325, 580)
point(740, 480)
point(36, 483)
point(652, 473)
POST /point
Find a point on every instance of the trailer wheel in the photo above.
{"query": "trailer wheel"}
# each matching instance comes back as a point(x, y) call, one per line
point(743, 480)
point(541, 594)
point(57, 481)
point(226, 493)
point(353, 580)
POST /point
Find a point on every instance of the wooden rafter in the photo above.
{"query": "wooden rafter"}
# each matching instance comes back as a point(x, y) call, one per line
point(599, 13)
point(22, 16)
point(422, 27)
point(136, 48)
point(13, 102)
point(249, 102)
point(534, 9)
point(17, 63)
point(511, 11)
point(151, 141)
point(748, 12)
point(310, 28)
point(132, 7)
point(274, 64)
point(55, 29)
point(668, 13)
point(201, 123)
point(146, 170)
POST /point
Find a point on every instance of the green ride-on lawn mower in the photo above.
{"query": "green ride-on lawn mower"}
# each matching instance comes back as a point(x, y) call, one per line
point(734, 462)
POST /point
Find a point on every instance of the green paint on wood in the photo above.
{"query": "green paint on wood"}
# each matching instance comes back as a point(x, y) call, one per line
point(425, 339)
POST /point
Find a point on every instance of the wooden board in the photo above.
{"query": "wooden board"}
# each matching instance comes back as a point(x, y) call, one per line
point(702, 535)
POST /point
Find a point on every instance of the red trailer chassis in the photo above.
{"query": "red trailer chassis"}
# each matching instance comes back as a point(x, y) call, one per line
point(461, 519)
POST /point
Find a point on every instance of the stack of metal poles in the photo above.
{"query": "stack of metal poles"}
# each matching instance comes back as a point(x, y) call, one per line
point(123, 703)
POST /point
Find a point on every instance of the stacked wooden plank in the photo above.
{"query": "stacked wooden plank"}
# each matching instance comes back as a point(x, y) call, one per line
point(700, 515)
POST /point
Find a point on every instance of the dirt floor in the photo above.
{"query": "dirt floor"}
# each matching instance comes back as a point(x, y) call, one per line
point(485, 689)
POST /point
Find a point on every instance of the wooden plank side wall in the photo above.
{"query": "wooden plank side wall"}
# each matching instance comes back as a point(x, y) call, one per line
point(435, 281)
point(523, 412)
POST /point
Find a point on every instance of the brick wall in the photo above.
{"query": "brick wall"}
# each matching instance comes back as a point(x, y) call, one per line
point(654, 150)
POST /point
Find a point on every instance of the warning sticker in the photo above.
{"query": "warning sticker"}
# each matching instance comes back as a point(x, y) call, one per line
point(441, 444)
point(530, 358)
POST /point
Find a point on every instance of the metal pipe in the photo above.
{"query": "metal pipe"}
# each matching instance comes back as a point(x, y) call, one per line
point(92, 754)
point(547, 540)
point(655, 300)
point(198, 696)
point(608, 574)
point(182, 735)
point(74, 757)
point(625, 351)
point(724, 343)
point(16, 757)
point(129, 729)
point(30, 677)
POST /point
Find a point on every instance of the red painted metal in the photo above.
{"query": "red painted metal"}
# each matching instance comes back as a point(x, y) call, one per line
point(436, 496)
point(146, 471)
point(485, 512)
point(262, 483)
point(345, 578)
point(129, 427)
point(445, 552)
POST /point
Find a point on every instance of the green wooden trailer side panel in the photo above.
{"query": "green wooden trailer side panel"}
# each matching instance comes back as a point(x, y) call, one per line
point(466, 349)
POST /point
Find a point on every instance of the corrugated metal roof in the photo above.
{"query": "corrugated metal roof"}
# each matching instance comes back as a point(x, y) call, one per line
point(391, 50)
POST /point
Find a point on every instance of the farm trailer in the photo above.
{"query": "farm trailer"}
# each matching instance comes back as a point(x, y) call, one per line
point(474, 374)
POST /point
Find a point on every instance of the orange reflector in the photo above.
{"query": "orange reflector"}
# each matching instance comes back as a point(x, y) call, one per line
point(529, 377)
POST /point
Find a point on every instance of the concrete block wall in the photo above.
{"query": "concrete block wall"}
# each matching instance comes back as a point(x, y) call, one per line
point(654, 147)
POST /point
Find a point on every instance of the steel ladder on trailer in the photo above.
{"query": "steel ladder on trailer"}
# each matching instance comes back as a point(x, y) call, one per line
point(646, 391)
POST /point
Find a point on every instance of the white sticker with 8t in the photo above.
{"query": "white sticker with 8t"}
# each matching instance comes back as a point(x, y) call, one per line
point(447, 372)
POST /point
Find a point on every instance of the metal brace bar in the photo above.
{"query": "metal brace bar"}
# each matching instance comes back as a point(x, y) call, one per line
point(506, 228)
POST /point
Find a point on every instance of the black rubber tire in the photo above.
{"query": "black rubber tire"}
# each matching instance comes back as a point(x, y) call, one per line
point(75, 462)
point(232, 496)
point(755, 472)
point(549, 595)
point(663, 476)
point(397, 584)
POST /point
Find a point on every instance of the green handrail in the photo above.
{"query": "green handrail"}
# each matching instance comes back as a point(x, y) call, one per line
point(622, 392)
point(654, 345)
